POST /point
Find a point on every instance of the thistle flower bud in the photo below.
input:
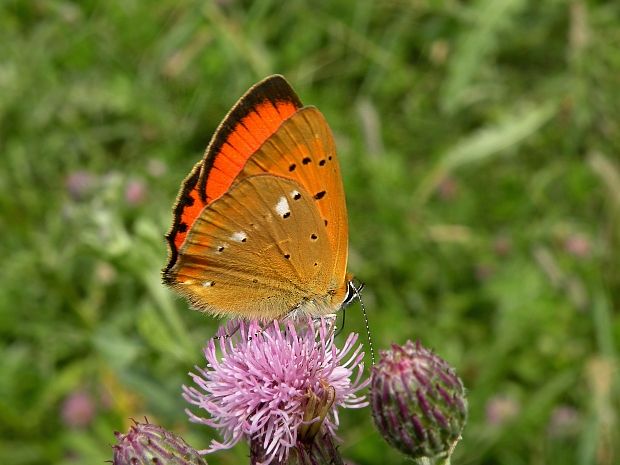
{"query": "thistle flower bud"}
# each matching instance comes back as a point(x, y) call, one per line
point(418, 402)
point(150, 444)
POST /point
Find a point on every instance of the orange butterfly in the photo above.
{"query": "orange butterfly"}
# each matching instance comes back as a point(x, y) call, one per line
point(260, 224)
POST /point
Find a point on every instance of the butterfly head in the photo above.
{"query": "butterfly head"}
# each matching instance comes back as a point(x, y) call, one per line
point(352, 292)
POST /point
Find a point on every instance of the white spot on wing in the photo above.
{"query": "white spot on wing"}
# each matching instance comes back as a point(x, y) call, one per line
point(207, 283)
point(294, 194)
point(239, 236)
point(282, 206)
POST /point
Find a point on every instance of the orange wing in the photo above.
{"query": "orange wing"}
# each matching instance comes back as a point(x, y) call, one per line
point(263, 242)
point(303, 150)
point(256, 116)
point(267, 154)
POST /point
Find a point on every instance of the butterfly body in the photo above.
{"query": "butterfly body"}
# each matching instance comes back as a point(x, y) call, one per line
point(260, 226)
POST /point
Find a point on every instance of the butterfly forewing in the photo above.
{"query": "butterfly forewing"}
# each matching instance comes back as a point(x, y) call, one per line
point(259, 251)
point(303, 149)
point(256, 116)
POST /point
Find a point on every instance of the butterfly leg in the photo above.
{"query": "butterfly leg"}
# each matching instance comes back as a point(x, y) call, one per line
point(228, 330)
point(329, 319)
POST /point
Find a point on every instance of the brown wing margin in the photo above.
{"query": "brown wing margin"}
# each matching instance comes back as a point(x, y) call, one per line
point(187, 205)
point(257, 115)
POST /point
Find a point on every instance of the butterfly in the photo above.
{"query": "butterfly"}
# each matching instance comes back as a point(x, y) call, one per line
point(259, 227)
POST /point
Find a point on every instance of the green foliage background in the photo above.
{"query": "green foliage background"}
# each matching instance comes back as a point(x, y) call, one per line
point(480, 146)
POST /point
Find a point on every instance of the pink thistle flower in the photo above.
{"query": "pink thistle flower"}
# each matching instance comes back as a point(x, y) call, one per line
point(279, 385)
point(80, 183)
point(78, 409)
point(135, 192)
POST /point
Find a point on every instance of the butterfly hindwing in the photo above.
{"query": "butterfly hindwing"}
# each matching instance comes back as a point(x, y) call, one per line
point(263, 242)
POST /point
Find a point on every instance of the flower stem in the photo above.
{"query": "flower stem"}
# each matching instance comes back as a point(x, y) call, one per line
point(258, 454)
point(438, 460)
point(321, 451)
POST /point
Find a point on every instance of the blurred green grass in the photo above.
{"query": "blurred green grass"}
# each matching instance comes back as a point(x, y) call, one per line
point(480, 144)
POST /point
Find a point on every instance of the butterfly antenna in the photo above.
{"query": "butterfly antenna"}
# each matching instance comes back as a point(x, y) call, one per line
point(357, 291)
